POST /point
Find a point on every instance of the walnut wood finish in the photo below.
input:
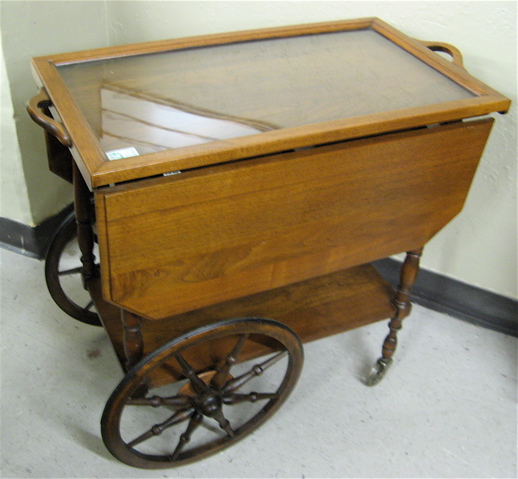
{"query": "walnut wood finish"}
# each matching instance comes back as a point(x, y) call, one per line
point(403, 307)
point(85, 234)
point(454, 52)
point(280, 224)
point(402, 301)
point(59, 157)
point(38, 109)
point(314, 309)
point(211, 399)
point(132, 339)
point(63, 274)
point(179, 243)
point(98, 171)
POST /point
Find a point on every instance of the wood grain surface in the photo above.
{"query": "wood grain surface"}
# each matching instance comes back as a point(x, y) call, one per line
point(314, 309)
point(178, 243)
point(76, 98)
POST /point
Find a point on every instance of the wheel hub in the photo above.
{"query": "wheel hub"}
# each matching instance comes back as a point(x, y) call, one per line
point(208, 403)
point(209, 394)
point(206, 377)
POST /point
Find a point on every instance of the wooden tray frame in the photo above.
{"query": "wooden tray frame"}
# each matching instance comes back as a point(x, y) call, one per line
point(98, 171)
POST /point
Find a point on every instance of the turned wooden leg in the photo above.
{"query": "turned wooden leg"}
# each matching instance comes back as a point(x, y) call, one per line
point(85, 234)
point(133, 341)
point(403, 307)
point(133, 346)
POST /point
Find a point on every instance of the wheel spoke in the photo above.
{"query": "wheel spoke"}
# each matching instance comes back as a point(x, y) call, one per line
point(258, 369)
point(89, 306)
point(214, 401)
point(197, 383)
point(76, 270)
point(221, 376)
point(68, 272)
point(158, 429)
point(231, 399)
point(156, 401)
point(195, 421)
point(223, 422)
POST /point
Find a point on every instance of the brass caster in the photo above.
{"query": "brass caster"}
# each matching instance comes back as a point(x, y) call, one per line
point(378, 371)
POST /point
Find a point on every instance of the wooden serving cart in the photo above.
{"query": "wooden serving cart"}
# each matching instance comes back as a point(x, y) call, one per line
point(235, 189)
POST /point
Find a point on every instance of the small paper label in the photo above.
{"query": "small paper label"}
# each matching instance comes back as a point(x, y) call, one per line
point(122, 153)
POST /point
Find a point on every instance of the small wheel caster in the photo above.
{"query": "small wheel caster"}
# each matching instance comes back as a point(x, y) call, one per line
point(378, 371)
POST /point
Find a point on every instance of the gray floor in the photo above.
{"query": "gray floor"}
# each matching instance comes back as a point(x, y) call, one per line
point(448, 407)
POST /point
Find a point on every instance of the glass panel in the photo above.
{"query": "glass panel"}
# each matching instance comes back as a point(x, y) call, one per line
point(160, 101)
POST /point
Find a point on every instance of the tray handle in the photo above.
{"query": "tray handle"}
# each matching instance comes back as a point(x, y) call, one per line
point(454, 52)
point(34, 108)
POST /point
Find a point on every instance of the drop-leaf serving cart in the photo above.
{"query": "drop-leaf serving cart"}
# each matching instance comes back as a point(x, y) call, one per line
point(230, 193)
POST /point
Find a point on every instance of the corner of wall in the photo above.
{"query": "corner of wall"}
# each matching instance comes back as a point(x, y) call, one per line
point(14, 199)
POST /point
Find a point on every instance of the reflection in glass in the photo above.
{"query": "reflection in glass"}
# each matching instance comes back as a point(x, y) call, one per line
point(191, 96)
point(136, 123)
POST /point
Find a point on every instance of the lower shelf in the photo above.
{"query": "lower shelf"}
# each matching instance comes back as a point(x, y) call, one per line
point(315, 308)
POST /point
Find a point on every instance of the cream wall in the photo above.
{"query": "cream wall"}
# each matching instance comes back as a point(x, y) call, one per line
point(29, 29)
point(13, 189)
point(479, 247)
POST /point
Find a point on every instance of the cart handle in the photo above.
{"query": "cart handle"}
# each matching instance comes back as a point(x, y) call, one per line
point(34, 108)
point(454, 52)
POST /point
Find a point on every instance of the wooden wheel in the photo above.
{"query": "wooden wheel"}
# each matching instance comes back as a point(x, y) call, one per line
point(63, 274)
point(201, 392)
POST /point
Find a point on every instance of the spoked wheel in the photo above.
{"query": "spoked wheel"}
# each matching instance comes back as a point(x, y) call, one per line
point(201, 392)
point(63, 274)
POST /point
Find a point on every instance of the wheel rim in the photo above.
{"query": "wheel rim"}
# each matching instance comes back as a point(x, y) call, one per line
point(63, 274)
point(228, 398)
